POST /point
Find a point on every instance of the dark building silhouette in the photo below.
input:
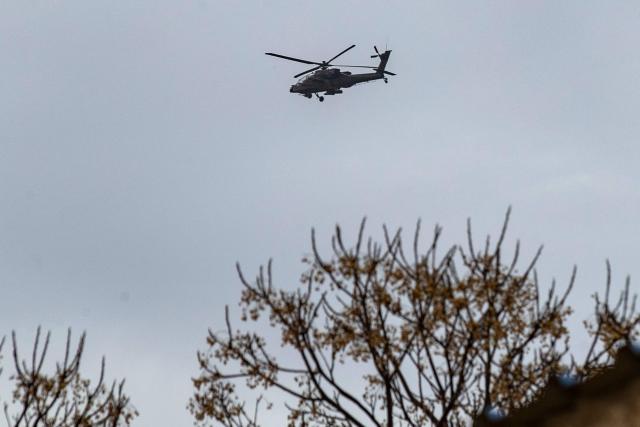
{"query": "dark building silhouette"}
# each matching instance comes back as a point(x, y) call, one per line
point(609, 399)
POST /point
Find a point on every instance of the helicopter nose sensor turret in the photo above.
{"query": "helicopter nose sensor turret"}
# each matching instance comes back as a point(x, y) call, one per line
point(296, 88)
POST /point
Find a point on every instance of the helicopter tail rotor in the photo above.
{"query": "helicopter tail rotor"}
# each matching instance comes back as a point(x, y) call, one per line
point(377, 55)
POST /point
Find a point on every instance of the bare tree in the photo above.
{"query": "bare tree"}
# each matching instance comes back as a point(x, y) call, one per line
point(63, 398)
point(438, 338)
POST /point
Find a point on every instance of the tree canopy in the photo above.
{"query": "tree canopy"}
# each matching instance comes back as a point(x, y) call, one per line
point(379, 334)
point(63, 398)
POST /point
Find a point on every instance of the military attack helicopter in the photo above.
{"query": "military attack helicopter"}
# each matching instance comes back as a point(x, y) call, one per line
point(331, 81)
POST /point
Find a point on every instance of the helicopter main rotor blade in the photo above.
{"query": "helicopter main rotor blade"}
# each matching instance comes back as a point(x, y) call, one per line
point(364, 66)
point(292, 59)
point(308, 71)
point(347, 49)
point(353, 66)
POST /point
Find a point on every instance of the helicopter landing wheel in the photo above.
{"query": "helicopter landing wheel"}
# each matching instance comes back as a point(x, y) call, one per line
point(386, 80)
point(321, 98)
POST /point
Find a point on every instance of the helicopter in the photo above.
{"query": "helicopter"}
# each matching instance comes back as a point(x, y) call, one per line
point(331, 81)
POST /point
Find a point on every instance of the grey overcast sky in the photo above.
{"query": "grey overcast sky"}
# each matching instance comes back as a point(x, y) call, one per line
point(145, 146)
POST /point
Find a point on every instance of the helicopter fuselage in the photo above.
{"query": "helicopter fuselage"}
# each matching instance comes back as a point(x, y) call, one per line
point(331, 81)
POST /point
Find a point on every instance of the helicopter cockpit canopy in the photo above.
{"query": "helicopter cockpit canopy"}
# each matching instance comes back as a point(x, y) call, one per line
point(322, 74)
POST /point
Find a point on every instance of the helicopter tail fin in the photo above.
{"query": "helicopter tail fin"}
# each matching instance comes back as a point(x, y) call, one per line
point(384, 57)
